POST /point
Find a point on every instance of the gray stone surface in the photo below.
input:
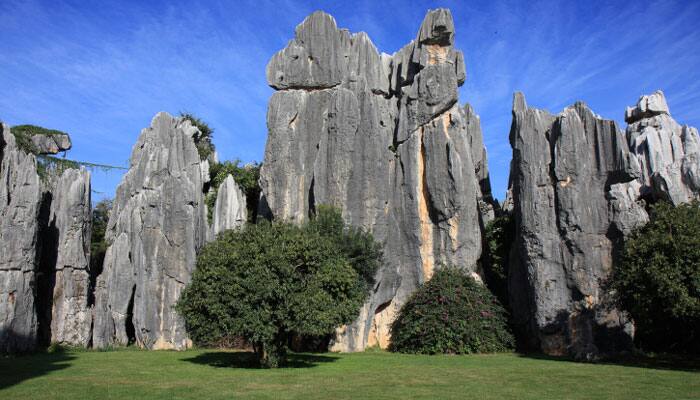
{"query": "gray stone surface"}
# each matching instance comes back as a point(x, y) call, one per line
point(66, 236)
point(230, 208)
point(51, 144)
point(157, 224)
point(668, 153)
point(20, 195)
point(382, 138)
point(574, 194)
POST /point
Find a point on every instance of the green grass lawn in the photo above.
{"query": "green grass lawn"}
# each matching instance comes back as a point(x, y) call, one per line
point(212, 374)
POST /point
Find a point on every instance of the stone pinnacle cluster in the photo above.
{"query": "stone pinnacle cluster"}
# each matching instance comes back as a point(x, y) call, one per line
point(384, 139)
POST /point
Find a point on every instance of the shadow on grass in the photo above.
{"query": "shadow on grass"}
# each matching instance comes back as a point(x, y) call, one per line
point(230, 359)
point(670, 362)
point(18, 368)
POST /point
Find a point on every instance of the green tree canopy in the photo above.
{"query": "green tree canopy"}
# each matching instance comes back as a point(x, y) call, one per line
point(658, 279)
point(268, 282)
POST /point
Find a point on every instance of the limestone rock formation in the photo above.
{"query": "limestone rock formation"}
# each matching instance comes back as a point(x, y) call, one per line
point(574, 193)
point(230, 210)
point(668, 153)
point(63, 281)
point(382, 138)
point(20, 196)
point(157, 224)
point(51, 144)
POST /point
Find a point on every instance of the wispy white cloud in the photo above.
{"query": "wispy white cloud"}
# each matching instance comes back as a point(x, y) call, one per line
point(102, 71)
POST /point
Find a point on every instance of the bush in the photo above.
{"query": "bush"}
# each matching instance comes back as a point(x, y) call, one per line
point(451, 314)
point(268, 283)
point(658, 279)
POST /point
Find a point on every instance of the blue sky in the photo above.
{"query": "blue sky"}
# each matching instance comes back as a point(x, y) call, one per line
point(102, 70)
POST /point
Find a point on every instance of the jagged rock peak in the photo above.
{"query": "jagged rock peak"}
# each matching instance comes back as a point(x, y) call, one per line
point(668, 154)
point(157, 225)
point(647, 106)
point(322, 56)
point(573, 189)
point(383, 139)
point(64, 241)
point(437, 28)
point(20, 197)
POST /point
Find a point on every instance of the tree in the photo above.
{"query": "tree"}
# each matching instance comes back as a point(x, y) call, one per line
point(356, 244)
point(658, 279)
point(267, 283)
point(451, 314)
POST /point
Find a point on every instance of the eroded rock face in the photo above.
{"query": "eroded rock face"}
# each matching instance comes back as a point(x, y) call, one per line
point(230, 210)
point(51, 144)
point(383, 139)
point(574, 194)
point(63, 283)
point(20, 196)
point(158, 223)
point(668, 153)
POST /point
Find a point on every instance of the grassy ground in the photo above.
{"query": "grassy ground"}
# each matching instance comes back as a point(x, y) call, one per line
point(211, 374)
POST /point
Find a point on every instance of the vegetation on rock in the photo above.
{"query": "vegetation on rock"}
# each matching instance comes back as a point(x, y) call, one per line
point(451, 314)
point(98, 244)
point(23, 136)
point(499, 236)
point(658, 279)
point(270, 282)
point(203, 141)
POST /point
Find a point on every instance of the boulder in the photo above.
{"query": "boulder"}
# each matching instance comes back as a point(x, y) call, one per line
point(51, 144)
point(157, 225)
point(383, 139)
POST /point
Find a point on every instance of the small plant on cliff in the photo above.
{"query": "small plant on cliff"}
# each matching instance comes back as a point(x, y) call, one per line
point(451, 314)
point(203, 141)
point(267, 283)
point(658, 279)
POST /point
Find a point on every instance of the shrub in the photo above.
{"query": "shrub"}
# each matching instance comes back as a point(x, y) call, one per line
point(451, 314)
point(658, 279)
point(267, 283)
